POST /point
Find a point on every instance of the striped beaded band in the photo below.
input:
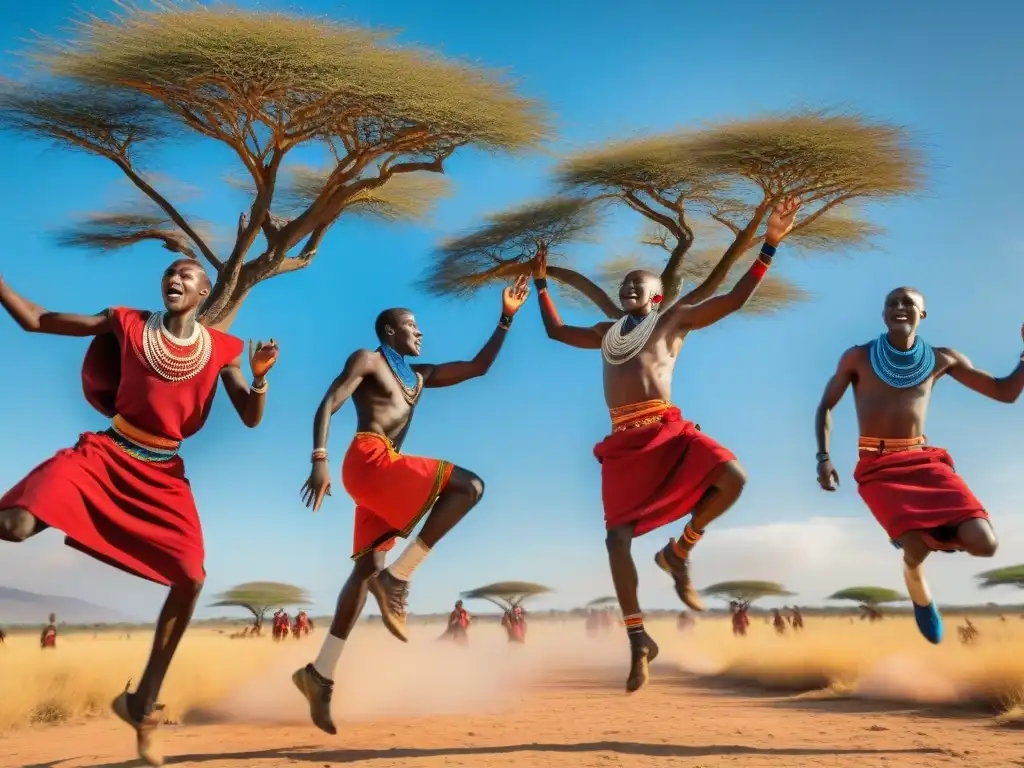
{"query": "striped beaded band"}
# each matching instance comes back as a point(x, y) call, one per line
point(638, 415)
point(139, 443)
point(890, 444)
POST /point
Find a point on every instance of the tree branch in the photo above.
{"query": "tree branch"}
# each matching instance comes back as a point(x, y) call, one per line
point(595, 293)
point(170, 210)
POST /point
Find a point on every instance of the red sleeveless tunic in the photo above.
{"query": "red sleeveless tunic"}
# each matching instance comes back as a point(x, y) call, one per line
point(136, 515)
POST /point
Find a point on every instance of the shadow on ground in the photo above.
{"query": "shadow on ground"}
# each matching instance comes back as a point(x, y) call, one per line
point(299, 755)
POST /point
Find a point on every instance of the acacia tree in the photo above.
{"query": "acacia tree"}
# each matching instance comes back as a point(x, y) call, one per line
point(507, 594)
point(726, 177)
point(1010, 576)
point(262, 85)
point(258, 597)
point(869, 598)
point(746, 591)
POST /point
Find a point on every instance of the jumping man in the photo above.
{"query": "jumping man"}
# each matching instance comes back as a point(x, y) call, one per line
point(656, 467)
point(911, 488)
point(392, 491)
point(121, 495)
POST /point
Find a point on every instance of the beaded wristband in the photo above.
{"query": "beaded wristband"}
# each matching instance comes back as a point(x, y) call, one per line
point(319, 454)
point(541, 283)
point(505, 322)
point(259, 389)
point(767, 252)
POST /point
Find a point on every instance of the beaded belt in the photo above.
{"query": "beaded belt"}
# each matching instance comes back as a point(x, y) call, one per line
point(882, 445)
point(638, 414)
point(139, 443)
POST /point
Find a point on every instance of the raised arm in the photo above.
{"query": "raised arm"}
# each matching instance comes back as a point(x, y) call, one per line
point(449, 374)
point(357, 367)
point(845, 375)
point(35, 319)
point(1004, 390)
point(573, 335)
point(248, 401)
point(687, 317)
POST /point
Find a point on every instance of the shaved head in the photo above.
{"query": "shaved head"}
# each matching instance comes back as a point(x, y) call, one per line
point(906, 290)
point(389, 318)
point(204, 278)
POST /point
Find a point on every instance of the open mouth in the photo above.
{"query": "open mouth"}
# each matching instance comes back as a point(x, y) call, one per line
point(900, 317)
point(175, 293)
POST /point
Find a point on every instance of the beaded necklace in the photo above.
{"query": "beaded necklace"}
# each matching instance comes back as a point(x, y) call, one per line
point(627, 337)
point(171, 358)
point(410, 382)
point(902, 369)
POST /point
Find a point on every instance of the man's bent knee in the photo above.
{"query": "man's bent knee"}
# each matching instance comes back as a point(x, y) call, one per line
point(16, 525)
point(978, 539)
point(464, 481)
point(732, 478)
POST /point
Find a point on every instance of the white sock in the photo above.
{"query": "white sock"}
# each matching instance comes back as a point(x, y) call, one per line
point(409, 560)
point(917, 587)
point(330, 654)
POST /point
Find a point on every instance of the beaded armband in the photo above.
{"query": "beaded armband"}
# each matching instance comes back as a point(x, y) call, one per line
point(764, 260)
point(319, 454)
point(822, 457)
point(505, 322)
point(541, 283)
point(259, 389)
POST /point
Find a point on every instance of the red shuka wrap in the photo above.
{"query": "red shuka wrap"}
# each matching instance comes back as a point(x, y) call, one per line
point(916, 490)
point(653, 475)
point(136, 515)
point(392, 491)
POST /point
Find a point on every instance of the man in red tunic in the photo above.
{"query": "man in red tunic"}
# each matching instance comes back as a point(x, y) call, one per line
point(657, 467)
point(121, 495)
point(392, 491)
point(912, 489)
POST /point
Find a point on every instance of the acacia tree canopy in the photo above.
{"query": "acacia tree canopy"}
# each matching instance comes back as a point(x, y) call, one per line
point(869, 595)
point(746, 591)
point(258, 597)
point(729, 176)
point(1010, 576)
point(506, 594)
point(261, 83)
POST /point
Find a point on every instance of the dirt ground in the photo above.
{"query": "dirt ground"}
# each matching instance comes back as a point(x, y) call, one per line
point(575, 720)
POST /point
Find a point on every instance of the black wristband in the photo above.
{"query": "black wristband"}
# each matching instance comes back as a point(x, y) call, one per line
point(505, 322)
point(822, 457)
point(540, 282)
point(767, 253)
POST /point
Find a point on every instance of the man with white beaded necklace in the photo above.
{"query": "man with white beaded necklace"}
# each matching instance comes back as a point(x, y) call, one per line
point(121, 495)
point(655, 466)
point(911, 488)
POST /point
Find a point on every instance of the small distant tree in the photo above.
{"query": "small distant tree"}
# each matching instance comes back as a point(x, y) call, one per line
point(261, 84)
point(1010, 576)
point(746, 591)
point(603, 602)
point(869, 599)
point(258, 597)
point(721, 183)
point(507, 594)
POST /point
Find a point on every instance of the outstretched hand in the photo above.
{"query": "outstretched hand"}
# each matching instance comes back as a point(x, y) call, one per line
point(262, 357)
point(539, 263)
point(780, 223)
point(828, 478)
point(513, 296)
point(317, 486)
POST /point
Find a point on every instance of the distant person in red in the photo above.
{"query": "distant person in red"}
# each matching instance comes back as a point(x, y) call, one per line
point(3, 636)
point(740, 619)
point(48, 637)
point(121, 495)
point(458, 624)
point(514, 622)
point(302, 625)
point(778, 622)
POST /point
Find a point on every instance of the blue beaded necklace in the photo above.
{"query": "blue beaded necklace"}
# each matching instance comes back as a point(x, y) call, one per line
point(402, 372)
point(899, 369)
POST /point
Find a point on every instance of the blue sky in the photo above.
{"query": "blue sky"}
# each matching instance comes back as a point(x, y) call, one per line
point(948, 73)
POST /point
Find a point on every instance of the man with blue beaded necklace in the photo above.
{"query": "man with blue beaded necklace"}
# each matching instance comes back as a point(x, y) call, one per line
point(392, 491)
point(657, 467)
point(911, 488)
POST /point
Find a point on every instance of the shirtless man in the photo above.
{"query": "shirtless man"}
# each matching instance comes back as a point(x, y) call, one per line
point(392, 491)
point(656, 467)
point(911, 488)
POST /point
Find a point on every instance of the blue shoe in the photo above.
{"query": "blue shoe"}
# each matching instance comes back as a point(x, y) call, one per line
point(929, 622)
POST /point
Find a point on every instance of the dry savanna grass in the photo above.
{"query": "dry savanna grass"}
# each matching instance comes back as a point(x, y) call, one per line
point(833, 657)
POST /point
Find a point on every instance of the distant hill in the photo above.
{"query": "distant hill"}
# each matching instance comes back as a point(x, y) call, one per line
point(20, 607)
